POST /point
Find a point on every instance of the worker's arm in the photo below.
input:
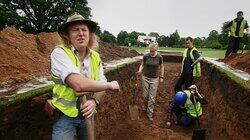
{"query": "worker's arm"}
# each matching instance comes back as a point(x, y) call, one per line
point(228, 25)
point(139, 72)
point(161, 70)
point(89, 107)
point(63, 67)
point(161, 67)
point(197, 58)
point(197, 61)
point(99, 95)
point(81, 84)
point(200, 98)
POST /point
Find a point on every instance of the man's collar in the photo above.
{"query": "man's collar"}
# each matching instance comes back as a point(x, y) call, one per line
point(73, 49)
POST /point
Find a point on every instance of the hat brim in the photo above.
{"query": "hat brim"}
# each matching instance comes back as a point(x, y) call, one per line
point(62, 30)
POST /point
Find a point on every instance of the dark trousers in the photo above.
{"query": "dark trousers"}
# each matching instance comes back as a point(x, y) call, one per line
point(186, 79)
point(233, 45)
point(184, 118)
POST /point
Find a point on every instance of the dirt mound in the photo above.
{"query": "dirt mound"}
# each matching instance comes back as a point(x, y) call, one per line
point(239, 61)
point(113, 52)
point(25, 56)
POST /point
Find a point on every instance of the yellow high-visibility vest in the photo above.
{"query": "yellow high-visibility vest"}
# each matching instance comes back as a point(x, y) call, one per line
point(197, 67)
point(64, 97)
point(190, 106)
point(241, 30)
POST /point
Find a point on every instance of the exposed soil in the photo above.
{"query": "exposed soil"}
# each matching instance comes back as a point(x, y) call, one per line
point(223, 118)
point(112, 121)
point(239, 61)
point(25, 56)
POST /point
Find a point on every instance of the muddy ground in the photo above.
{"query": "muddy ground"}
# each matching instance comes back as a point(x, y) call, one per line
point(112, 121)
point(25, 56)
point(239, 61)
point(222, 118)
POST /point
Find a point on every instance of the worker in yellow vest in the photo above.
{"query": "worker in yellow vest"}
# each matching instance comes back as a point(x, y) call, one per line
point(186, 105)
point(76, 68)
point(191, 67)
point(236, 29)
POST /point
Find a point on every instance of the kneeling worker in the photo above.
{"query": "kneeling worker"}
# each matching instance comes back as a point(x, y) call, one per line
point(183, 107)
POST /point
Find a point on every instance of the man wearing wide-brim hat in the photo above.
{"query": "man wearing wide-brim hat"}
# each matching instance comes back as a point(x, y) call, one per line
point(76, 68)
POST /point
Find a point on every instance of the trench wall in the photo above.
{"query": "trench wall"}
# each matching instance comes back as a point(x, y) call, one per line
point(225, 117)
point(28, 120)
point(228, 113)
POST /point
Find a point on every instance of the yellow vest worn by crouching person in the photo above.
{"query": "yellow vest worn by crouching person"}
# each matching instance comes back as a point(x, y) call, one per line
point(197, 67)
point(64, 97)
point(190, 106)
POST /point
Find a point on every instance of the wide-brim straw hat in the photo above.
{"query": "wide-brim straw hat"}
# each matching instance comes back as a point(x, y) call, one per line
point(62, 30)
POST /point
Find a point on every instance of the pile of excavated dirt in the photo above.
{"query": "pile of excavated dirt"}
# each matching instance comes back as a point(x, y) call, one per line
point(25, 56)
point(239, 61)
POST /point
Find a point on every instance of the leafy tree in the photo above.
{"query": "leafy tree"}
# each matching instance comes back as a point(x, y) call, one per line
point(124, 38)
point(154, 34)
point(163, 41)
point(246, 41)
point(132, 37)
point(34, 16)
point(174, 39)
point(213, 35)
point(223, 38)
point(213, 44)
point(212, 40)
point(107, 37)
point(121, 38)
point(182, 42)
point(198, 42)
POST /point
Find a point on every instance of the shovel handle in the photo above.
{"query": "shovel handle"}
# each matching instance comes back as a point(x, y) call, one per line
point(198, 120)
point(89, 121)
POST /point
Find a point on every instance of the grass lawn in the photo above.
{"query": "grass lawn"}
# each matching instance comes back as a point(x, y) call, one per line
point(205, 52)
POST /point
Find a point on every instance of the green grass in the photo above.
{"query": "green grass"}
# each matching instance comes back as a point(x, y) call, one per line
point(205, 52)
point(26, 95)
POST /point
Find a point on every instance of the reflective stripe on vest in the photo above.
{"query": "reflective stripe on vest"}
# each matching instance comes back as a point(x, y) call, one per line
point(64, 97)
point(241, 30)
point(197, 67)
point(190, 106)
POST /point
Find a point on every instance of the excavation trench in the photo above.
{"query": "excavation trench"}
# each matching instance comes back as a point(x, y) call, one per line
point(227, 116)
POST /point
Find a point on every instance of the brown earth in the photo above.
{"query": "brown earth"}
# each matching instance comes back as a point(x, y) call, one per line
point(112, 121)
point(222, 118)
point(25, 56)
point(239, 61)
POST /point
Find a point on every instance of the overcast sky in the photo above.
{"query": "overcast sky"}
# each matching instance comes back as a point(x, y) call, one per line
point(194, 18)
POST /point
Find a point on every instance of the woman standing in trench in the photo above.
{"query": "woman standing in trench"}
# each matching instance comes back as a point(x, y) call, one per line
point(151, 66)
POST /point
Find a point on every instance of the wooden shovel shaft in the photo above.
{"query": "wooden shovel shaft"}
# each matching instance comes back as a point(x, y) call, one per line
point(89, 122)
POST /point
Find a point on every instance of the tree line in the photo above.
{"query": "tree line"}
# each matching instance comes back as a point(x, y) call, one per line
point(35, 16)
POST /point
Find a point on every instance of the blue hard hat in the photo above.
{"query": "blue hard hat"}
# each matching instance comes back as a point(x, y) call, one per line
point(180, 98)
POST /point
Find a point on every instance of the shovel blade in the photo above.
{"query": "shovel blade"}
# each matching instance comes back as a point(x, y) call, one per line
point(199, 134)
point(134, 113)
